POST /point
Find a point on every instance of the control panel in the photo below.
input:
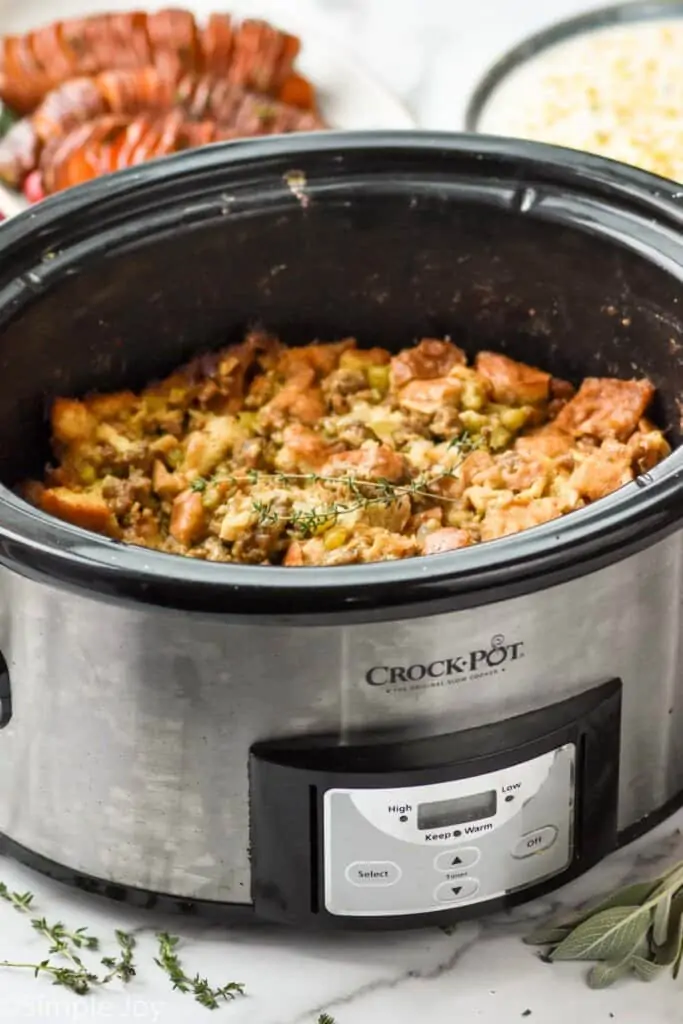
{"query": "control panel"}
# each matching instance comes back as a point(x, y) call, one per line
point(424, 848)
point(388, 831)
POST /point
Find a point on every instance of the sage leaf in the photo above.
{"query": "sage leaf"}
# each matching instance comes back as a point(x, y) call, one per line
point(660, 918)
point(677, 963)
point(637, 930)
point(669, 953)
point(646, 970)
point(629, 896)
point(548, 935)
point(610, 935)
point(607, 972)
point(670, 882)
point(675, 873)
point(633, 895)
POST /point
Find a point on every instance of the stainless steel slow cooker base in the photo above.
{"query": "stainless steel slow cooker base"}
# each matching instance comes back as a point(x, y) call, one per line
point(240, 914)
point(141, 779)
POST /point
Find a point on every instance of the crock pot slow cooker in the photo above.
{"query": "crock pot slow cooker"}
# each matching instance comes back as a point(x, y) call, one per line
point(383, 745)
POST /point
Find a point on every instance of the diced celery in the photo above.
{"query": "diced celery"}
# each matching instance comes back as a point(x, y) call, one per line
point(500, 438)
point(514, 419)
point(472, 396)
point(378, 378)
point(473, 421)
point(248, 420)
point(335, 537)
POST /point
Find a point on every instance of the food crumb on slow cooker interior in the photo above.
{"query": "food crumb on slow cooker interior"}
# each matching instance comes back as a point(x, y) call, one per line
point(330, 454)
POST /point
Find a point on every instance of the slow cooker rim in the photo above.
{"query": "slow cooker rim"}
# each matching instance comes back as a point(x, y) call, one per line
point(557, 32)
point(622, 180)
point(32, 542)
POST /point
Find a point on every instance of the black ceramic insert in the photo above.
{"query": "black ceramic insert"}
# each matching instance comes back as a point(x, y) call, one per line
point(561, 259)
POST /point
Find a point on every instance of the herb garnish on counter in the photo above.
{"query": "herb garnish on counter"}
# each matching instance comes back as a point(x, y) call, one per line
point(75, 975)
point(637, 930)
point(203, 993)
point(68, 945)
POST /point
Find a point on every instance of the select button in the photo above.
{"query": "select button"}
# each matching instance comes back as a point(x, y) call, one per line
point(457, 860)
point(373, 873)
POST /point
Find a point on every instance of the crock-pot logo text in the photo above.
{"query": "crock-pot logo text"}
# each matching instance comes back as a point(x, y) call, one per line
point(488, 660)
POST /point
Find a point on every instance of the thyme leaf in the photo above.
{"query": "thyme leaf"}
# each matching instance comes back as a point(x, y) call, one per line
point(309, 521)
point(123, 967)
point(21, 901)
point(63, 942)
point(204, 994)
point(467, 442)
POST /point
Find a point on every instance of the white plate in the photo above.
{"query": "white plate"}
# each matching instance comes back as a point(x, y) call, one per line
point(350, 98)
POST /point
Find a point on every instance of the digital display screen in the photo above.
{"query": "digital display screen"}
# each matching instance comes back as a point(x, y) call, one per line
point(459, 811)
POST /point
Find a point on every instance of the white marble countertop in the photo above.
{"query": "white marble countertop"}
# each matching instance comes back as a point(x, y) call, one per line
point(430, 52)
point(481, 973)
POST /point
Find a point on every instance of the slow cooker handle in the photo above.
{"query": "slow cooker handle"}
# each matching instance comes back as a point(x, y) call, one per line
point(5, 694)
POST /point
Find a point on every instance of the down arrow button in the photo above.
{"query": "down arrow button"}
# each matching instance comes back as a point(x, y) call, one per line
point(465, 889)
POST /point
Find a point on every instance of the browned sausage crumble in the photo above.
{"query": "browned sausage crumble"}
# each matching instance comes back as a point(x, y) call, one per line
point(330, 454)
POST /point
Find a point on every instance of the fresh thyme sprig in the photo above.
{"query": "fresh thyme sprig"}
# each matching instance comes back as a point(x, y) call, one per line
point(77, 976)
point(204, 994)
point(384, 494)
point(58, 935)
point(308, 521)
point(62, 943)
point(21, 901)
point(62, 939)
point(466, 442)
point(123, 967)
point(78, 980)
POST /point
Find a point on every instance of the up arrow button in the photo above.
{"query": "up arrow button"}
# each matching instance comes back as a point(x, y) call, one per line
point(457, 860)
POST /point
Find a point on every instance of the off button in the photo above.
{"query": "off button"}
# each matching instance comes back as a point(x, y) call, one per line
point(535, 842)
point(373, 873)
